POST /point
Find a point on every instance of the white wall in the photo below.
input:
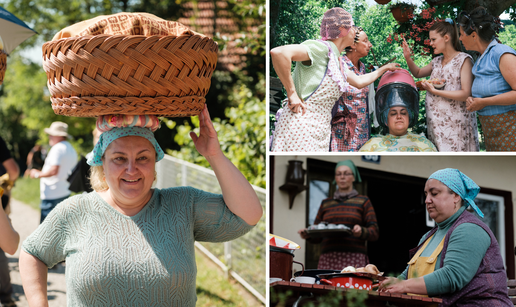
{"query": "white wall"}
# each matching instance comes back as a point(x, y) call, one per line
point(488, 171)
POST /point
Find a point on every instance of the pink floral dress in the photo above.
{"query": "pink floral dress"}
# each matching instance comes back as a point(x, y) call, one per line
point(311, 132)
point(450, 126)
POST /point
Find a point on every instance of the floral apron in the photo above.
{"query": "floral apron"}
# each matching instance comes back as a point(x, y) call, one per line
point(311, 132)
point(421, 266)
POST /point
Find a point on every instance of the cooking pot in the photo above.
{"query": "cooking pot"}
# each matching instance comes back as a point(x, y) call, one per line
point(347, 280)
point(314, 273)
point(280, 263)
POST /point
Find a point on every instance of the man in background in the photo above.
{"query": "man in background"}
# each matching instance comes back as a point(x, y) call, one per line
point(9, 172)
point(60, 161)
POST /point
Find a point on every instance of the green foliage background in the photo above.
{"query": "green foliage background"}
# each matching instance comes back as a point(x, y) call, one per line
point(25, 107)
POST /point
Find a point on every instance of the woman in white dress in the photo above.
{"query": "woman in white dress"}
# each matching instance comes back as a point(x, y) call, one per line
point(450, 126)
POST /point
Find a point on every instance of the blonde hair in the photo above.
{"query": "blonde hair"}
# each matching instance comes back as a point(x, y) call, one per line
point(98, 181)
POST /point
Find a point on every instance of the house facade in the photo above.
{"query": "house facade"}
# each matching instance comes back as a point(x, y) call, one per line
point(395, 185)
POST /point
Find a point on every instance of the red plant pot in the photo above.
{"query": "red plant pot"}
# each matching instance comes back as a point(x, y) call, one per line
point(382, 2)
point(401, 15)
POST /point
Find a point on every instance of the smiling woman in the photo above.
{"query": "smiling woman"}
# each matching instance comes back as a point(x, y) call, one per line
point(126, 243)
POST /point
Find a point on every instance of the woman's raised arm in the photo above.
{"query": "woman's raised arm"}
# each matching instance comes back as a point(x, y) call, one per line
point(364, 80)
point(238, 193)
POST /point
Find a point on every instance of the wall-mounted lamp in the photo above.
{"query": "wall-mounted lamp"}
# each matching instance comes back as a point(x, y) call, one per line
point(294, 184)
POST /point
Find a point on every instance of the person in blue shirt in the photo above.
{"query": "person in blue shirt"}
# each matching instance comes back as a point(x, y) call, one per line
point(494, 87)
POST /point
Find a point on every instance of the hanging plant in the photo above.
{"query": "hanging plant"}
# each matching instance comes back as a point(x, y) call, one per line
point(401, 11)
point(415, 32)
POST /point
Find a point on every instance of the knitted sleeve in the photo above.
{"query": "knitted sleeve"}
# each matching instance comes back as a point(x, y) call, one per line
point(371, 231)
point(214, 222)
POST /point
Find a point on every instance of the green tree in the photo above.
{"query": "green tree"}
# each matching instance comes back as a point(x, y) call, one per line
point(242, 136)
point(508, 36)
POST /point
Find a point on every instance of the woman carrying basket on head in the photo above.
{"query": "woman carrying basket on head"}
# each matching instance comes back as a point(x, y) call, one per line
point(316, 84)
point(127, 243)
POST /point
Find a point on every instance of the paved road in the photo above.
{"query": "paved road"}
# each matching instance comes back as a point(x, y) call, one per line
point(25, 220)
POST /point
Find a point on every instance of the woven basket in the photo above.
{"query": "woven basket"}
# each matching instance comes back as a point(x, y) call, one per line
point(129, 74)
point(3, 66)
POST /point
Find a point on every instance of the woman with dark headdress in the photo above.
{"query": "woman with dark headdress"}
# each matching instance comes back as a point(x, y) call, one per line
point(316, 84)
point(446, 263)
point(494, 87)
point(351, 209)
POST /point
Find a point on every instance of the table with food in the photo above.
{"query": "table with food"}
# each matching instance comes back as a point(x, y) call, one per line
point(291, 284)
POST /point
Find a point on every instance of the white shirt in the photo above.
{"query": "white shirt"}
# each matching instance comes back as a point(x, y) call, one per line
point(56, 186)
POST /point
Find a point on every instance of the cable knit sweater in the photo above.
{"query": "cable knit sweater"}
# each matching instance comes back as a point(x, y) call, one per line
point(142, 260)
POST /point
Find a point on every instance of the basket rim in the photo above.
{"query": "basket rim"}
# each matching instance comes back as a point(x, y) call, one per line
point(124, 36)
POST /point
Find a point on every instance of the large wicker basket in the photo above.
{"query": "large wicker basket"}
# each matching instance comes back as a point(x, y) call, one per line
point(3, 66)
point(129, 74)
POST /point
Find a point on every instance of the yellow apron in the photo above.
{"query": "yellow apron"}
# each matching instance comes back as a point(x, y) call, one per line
point(421, 266)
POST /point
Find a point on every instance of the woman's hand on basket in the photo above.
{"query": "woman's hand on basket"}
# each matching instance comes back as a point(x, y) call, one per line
point(207, 143)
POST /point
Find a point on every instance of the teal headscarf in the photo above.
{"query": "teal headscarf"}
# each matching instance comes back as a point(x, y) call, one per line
point(353, 168)
point(108, 137)
point(461, 184)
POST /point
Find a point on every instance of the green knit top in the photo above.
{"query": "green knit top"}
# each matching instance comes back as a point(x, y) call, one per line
point(466, 249)
point(142, 260)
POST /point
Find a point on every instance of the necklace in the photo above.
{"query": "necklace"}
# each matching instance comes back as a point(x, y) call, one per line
point(446, 61)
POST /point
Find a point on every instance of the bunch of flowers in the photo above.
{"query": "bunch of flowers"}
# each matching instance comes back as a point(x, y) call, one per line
point(415, 32)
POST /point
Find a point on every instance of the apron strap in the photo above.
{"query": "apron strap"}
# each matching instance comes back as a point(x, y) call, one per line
point(436, 252)
point(413, 260)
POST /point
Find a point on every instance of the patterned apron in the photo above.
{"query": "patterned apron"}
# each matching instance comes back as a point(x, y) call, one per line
point(311, 132)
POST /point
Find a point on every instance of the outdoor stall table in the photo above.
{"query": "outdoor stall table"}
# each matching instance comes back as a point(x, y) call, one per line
point(311, 292)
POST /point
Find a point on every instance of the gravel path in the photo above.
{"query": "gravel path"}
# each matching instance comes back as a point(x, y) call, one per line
point(25, 220)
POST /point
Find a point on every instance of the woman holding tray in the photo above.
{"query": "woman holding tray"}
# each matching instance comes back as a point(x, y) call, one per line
point(451, 127)
point(446, 263)
point(316, 84)
point(127, 244)
point(351, 209)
